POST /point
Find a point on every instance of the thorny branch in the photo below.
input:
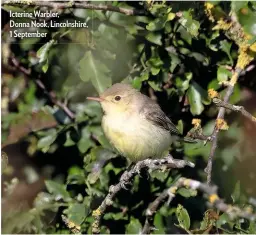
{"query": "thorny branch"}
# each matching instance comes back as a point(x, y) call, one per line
point(209, 191)
point(51, 95)
point(77, 4)
point(127, 177)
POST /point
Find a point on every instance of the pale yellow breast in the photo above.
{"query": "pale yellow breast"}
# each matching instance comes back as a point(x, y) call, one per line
point(135, 137)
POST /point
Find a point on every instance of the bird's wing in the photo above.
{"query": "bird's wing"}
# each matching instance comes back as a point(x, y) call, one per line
point(152, 112)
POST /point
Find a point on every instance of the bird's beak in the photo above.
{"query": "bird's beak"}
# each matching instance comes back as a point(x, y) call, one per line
point(95, 98)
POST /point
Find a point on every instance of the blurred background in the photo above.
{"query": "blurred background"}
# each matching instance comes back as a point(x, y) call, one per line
point(56, 161)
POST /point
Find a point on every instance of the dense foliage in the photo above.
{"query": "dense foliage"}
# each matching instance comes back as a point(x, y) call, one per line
point(172, 51)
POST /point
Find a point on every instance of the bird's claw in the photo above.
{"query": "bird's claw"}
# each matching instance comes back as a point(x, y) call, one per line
point(137, 168)
point(124, 180)
point(123, 185)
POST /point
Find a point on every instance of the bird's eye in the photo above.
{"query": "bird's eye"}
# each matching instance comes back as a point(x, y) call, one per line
point(117, 98)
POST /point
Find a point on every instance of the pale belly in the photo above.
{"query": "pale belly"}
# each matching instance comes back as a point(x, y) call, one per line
point(136, 138)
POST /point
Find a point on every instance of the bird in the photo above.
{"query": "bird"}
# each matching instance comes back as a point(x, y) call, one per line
point(134, 124)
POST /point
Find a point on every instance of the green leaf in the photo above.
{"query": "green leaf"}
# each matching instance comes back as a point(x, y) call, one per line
point(175, 60)
point(58, 190)
point(100, 157)
point(69, 141)
point(159, 223)
point(85, 141)
point(76, 175)
point(184, 34)
point(76, 213)
point(42, 54)
point(237, 5)
point(223, 74)
point(155, 38)
point(115, 216)
point(183, 217)
point(92, 109)
point(195, 99)
point(246, 15)
point(252, 227)
point(160, 175)
point(95, 71)
point(137, 81)
point(187, 192)
point(45, 67)
point(155, 64)
point(192, 26)
point(155, 85)
point(180, 126)
point(236, 193)
point(155, 61)
point(171, 16)
point(45, 142)
point(183, 83)
point(223, 219)
point(157, 24)
point(134, 227)
point(226, 46)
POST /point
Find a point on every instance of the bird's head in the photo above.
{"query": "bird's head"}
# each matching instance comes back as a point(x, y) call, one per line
point(117, 99)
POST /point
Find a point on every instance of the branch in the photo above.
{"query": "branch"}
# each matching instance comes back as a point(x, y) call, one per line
point(236, 108)
point(127, 177)
point(235, 32)
point(51, 95)
point(215, 133)
point(197, 132)
point(213, 200)
point(76, 4)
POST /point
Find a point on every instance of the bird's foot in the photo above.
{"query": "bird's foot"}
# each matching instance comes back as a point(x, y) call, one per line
point(138, 167)
point(124, 184)
point(124, 180)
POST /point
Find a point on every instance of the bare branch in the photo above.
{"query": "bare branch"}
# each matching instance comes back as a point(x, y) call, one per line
point(195, 134)
point(51, 95)
point(215, 133)
point(209, 191)
point(127, 177)
point(77, 4)
point(236, 108)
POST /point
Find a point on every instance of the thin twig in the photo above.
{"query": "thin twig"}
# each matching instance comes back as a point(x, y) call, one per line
point(213, 200)
point(51, 95)
point(127, 177)
point(236, 108)
point(76, 4)
point(214, 135)
point(200, 136)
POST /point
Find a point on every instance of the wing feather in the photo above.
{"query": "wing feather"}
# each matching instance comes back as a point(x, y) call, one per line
point(152, 112)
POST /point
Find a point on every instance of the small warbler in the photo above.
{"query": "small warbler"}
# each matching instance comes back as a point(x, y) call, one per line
point(135, 124)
